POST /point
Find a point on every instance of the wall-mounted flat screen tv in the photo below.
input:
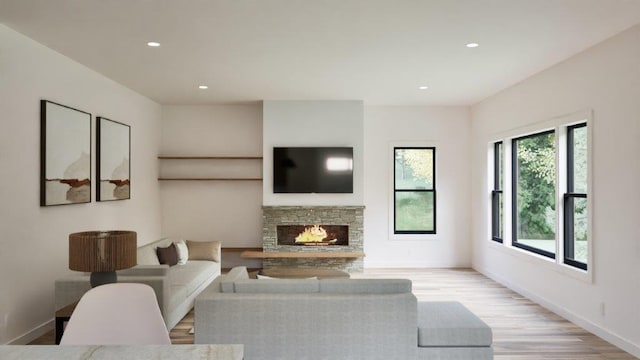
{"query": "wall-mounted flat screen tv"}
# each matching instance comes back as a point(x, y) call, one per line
point(312, 170)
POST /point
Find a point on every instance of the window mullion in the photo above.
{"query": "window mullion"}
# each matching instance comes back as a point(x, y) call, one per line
point(507, 192)
point(562, 163)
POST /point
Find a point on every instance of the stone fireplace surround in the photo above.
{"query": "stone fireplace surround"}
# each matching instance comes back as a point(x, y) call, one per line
point(351, 216)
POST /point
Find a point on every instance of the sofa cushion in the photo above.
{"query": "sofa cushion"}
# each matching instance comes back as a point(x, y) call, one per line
point(365, 286)
point(237, 273)
point(204, 250)
point(146, 254)
point(168, 255)
point(278, 286)
point(192, 274)
point(183, 252)
point(449, 323)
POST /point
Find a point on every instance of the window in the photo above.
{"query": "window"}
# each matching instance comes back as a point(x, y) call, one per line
point(575, 199)
point(534, 193)
point(538, 181)
point(414, 190)
point(497, 202)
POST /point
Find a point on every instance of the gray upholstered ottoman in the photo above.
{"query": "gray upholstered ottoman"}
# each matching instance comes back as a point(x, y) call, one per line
point(448, 330)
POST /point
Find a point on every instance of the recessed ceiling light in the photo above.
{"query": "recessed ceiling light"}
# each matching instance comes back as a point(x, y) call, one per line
point(423, 87)
point(203, 87)
point(472, 45)
point(153, 44)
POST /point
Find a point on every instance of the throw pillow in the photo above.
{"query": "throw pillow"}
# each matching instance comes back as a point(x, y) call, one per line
point(168, 255)
point(204, 250)
point(183, 252)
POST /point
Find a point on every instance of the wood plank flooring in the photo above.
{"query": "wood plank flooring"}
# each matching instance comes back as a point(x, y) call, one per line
point(522, 330)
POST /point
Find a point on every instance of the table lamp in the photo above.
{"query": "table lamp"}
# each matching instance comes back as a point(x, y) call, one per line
point(102, 253)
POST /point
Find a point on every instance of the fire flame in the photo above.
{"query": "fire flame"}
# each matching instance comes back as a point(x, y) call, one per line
point(311, 234)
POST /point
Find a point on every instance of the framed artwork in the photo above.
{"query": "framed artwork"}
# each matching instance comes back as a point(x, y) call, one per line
point(65, 155)
point(113, 144)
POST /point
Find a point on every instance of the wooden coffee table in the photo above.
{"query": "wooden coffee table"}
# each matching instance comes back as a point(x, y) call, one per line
point(300, 273)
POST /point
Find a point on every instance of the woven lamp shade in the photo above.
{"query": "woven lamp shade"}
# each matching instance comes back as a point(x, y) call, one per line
point(99, 251)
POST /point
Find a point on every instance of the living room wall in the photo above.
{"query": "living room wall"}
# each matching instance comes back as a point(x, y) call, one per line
point(605, 79)
point(313, 123)
point(446, 128)
point(35, 239)
point(231, 211)
point(227, 211)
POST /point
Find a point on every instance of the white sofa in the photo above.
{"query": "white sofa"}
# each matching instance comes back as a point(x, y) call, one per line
point(176, 287)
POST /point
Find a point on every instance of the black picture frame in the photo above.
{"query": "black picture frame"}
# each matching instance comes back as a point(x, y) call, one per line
point(113, 169)
point(65, 155)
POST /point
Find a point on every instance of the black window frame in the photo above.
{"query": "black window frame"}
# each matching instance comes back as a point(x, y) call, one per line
point(514, 196)
point(568, 226)
point(433, 190)
point(497, 193)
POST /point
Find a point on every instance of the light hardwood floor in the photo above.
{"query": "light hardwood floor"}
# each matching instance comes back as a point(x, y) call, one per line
point(522, 330)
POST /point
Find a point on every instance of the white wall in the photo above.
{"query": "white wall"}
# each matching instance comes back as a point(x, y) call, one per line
point(605, 78)
point(313, 123)
point(371, 131)
point(446, 128)
point(33, 238)
point(228, 211)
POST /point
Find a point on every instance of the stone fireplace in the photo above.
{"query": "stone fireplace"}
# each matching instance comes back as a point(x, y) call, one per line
point(321, 229)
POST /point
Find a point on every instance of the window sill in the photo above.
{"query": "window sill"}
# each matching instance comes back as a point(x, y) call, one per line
point(413, 237)
point(546, 262)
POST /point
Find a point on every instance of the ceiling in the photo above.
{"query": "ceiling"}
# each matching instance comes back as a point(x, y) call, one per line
point(379, 51)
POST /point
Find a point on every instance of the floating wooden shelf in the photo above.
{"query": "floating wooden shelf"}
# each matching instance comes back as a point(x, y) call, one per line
point(166, 157)
point(210, 157)
point(210, 179)
point(304, 254)
point(239, 249)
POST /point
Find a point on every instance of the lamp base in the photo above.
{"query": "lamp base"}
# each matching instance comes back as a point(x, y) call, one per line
point(103, 277)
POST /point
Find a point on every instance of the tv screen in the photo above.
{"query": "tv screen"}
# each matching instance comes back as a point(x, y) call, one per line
point(312, 170)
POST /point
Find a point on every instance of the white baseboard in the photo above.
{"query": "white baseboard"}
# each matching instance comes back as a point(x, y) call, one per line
point(33, 334)
point(607, 335)
point(411, 264)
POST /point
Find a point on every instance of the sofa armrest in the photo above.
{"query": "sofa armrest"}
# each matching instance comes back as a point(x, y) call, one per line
point(228, 280)
point(70, 289)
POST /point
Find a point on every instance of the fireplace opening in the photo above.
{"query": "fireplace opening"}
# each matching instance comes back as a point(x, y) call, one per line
point(313, 235)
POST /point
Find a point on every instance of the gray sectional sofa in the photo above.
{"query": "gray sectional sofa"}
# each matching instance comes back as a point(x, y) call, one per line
point(335, 319)
point(176, 287)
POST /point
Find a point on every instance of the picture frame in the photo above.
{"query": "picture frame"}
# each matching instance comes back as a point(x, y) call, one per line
point(113, 169)
point(65, 155)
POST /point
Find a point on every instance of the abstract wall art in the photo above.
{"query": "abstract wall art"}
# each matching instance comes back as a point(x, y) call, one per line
point(113, 145)
point(65, 155)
